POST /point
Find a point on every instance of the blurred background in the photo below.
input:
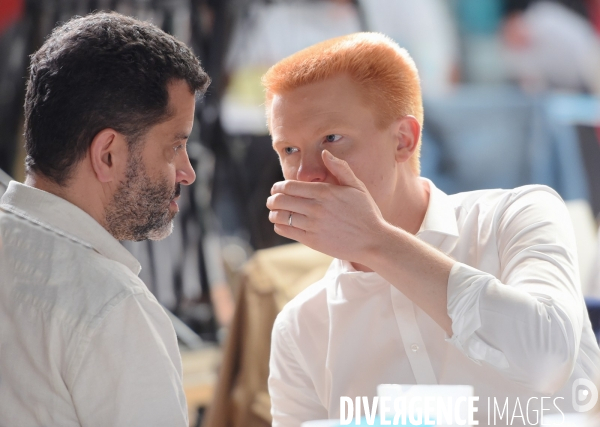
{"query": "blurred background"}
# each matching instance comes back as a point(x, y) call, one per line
point(511, 91)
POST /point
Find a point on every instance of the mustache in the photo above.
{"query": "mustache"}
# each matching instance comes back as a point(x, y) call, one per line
point(177, 191)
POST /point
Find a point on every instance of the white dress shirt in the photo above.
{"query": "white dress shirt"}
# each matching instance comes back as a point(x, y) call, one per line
point(519, 322)
point(82, 340)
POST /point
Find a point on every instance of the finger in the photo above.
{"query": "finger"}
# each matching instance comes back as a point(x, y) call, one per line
point(283, 218)
point(290, 232)
point(280, 201)
point(307, 190)
point(341, 170)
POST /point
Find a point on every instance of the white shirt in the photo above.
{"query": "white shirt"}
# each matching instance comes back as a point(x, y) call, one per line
point(519, 322)
point(82, 340)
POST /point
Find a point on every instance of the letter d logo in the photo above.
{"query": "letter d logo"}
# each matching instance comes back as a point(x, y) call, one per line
point(585, 395)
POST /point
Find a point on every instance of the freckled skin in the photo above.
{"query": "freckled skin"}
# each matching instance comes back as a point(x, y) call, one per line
point(304, 117)
point(352, 191)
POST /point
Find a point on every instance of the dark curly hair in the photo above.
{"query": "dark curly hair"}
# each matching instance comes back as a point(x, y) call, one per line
point(104, 70)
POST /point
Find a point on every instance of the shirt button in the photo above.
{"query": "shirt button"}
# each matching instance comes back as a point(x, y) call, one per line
point(414, 347)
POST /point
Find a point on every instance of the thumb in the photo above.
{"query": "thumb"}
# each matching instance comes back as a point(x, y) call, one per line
point(341, 170)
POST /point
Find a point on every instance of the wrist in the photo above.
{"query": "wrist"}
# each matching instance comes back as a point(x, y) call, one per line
point(383, 238)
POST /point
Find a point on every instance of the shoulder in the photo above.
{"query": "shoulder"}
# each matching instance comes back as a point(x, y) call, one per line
point(531, 213)
point(110, 282)
point(306, 311)
point(60, 276)
point(498, 207)
point(501, 199)
point(104, 286)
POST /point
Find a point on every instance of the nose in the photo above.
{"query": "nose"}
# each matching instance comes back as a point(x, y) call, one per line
point(312, 168)
point(185, 171)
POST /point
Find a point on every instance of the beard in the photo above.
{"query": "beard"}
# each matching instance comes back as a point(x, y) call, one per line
point(140, 207)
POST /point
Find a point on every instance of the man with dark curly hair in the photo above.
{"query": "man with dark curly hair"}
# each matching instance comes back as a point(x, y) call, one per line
point(109, 107)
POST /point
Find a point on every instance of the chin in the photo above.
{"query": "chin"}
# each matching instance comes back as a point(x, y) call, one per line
point(162, 232)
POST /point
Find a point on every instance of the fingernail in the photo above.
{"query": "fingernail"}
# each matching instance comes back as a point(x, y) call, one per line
point(329, 155)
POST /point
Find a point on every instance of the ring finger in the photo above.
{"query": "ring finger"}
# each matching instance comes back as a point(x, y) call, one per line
point(283, 218)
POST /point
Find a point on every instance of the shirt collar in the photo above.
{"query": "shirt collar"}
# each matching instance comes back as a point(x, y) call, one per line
point(56, 213)
point(440, 217)
point(439, 226)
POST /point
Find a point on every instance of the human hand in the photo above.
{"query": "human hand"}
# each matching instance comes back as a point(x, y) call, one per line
point(342, 221)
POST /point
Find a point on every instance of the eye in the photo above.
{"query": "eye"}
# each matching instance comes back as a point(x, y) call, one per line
point(178, 147)
point(333, 137)
point(290, 150)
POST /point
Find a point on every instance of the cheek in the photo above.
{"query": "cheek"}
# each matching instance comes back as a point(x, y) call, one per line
point(358, 162)
point(374, 173)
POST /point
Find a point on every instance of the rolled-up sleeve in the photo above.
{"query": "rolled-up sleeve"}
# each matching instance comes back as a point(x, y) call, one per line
point(527, 322)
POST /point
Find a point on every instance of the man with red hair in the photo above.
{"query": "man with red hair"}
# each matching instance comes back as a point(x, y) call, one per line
point(476, 288)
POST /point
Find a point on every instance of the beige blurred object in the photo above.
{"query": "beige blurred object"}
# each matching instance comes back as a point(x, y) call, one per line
point(223, 303)
point(199, 378)
point(270, 279)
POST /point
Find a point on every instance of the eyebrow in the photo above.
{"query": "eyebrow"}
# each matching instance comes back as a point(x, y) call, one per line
point(320, 130)
point(279, 142)
point(329, 125)
point(180, 136)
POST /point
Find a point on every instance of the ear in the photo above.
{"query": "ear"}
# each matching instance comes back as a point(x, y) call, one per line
point(408, 134)
point(108, 155)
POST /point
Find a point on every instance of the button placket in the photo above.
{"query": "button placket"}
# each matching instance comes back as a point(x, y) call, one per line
point(414, 347)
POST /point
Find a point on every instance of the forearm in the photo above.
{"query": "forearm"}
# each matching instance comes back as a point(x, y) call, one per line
point(525, 331)
point(418, 270)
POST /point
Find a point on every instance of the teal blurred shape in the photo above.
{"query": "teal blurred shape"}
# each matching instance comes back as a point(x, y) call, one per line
point(479, 16)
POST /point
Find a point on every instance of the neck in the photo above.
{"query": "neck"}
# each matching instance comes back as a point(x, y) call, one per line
point(76, 194)
point(408, 206)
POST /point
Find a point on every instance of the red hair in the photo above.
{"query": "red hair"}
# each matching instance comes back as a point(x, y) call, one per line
point(385, 73)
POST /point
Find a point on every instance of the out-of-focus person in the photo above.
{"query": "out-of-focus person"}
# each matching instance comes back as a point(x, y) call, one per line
point(550, 46)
